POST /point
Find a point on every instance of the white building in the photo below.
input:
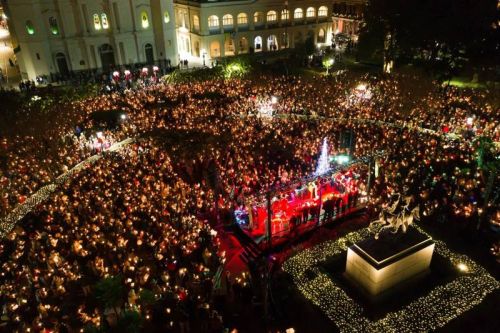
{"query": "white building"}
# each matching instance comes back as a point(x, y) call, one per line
point(60, 36)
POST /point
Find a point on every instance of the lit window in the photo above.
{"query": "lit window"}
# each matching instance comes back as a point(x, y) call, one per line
point(104, 20)
point(271, 16)
point(258, 44)
point(242, 19)
point(321, 36)
point(285, 15)
point(213, 21)
point(298, 13)
point(97, 22)
point(322, 11)
point(166, 17)
point(30, 29)
point(196, 22)
point(258, 18)
point(144, 20)
point(184, 18)
point(311, 12)
point(53, 25)
point(227, 20)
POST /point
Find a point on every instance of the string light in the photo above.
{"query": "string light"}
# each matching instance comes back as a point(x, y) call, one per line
point(8, 223)
point(436, 309)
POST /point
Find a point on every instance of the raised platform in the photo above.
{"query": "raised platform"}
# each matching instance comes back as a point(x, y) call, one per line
point(377, 265)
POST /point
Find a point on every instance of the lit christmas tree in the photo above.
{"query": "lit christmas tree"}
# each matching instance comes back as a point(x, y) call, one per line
point(323, 163)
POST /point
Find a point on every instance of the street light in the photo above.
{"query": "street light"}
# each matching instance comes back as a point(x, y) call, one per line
point(127, 74)
point(462, 267)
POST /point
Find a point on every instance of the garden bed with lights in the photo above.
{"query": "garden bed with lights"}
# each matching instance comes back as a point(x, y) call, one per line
point(441, 272)
point(455, 285)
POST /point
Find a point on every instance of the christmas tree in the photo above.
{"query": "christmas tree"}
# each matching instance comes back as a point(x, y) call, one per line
point(323, 163)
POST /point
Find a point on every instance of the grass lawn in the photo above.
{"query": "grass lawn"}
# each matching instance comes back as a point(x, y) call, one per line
point(461, 82)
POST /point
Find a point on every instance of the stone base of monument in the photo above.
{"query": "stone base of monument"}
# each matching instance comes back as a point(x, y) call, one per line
point(379, 265)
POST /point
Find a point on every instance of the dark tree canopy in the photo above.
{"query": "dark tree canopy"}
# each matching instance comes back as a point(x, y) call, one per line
point(432, 29)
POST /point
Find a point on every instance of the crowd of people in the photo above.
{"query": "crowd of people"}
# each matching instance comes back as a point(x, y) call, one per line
point(147, 213)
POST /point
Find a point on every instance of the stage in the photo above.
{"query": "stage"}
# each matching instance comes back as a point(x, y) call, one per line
point(290, 212)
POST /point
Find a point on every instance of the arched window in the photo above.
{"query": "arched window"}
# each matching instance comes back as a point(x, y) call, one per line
point(258, 18)
point(166, 17)
point(213, 21)
point(184, 18)
point(258, 44)
point(107, 56)
point(214, 49)
point(228, 47)
point(104, 20)
point(53, 25)
point(148, 51)
point(298, 13)
point(323, 11)
point(97, 22)
point(311, 12)
point(243, 45)
point(62, 64)
point(30, 29)
point(196, 22)
point(242, 19)
point(196, 49)
point(271, 16)
point(227, 20)
point(144, 20)
point(272, 43)
point(321, 36)
point(285, 15)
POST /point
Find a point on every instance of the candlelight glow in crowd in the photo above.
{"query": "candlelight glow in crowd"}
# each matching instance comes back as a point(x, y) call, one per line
point(148, 212)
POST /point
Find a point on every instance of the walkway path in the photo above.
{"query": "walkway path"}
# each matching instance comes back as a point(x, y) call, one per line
point(43, 193)
point(8, 223)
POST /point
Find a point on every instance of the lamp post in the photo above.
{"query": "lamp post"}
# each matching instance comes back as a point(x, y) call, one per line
point(203, 55)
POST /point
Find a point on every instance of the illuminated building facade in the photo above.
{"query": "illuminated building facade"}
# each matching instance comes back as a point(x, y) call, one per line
point(61, 36)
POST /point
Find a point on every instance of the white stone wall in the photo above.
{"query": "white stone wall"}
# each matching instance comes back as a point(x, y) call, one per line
point(79, 40)
point(375, 281)
point(207, 37)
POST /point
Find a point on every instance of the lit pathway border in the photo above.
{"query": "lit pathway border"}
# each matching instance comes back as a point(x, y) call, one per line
point(8, 223)
point(449, 136)
point(427, 313)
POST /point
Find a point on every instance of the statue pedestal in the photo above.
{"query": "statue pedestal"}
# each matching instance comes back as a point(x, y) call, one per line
point(377, 265)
